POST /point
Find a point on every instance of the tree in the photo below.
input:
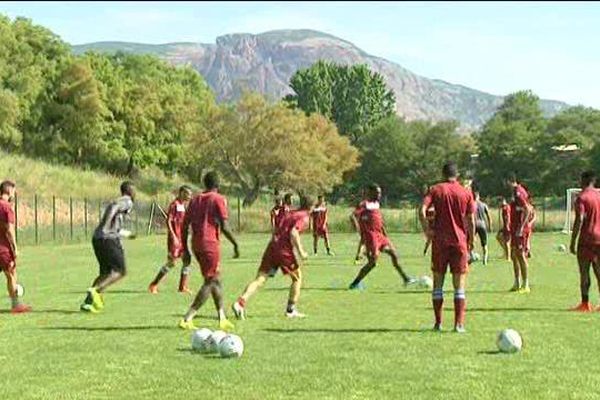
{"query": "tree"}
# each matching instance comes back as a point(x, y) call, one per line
point(507, 143)
point(260, 144)
point(354, 97)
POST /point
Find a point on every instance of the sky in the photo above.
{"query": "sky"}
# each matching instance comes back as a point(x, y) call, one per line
point(550, 48)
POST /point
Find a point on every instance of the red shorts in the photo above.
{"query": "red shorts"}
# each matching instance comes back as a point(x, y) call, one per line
point(588, 252)
point(375, 244)
point(175, 252)
point(274, 258)
point(7, 263)
point(209, 260)
point(455, 256)
point(520, 242)
point(320, 232)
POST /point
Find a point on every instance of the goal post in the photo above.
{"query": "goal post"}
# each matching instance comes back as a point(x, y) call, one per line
point(572, 194)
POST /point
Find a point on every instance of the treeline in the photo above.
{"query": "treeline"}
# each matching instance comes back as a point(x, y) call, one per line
point(124, 113)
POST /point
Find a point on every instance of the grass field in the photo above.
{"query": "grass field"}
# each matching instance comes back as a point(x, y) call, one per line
point(371, 344)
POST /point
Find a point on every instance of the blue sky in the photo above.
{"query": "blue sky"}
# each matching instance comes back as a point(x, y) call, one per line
point(550, 48)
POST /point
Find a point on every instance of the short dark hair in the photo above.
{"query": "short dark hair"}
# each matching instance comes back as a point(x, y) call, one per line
point(450, 170)
point(306, 202)
point(588, 178)
point(287, 198)
point(372, 187)
point(211, 180)
point(320, 197)
point(512, 177)
point(126, 188)
point(5, 185)
point(185, 188)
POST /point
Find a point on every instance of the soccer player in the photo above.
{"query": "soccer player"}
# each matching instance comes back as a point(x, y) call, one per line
point(353, 218)
point(519, 234)
point(108, 249)
point(207, 215)
point(282, 253)
point(503, 236)
point(319, 225)
point(587, 228)
point(483, 224)
point(175, 217)
point(8, 246)
point(451, 241)
point(375, 237)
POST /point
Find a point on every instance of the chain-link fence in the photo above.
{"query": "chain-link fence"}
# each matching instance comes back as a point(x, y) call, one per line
point(63, 220)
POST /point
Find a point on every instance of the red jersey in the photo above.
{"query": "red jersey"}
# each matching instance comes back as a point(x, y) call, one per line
point(452, 204)
point(277, 214)
point(518, 207)
point(7, 216)
point(281, 241)
point(370, 220)
point(176, 214)
point(587, 205)
point(319, 217)
point(203, 214)
point(506, 218)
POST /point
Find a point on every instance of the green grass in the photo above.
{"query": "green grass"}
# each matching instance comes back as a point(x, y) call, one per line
point(368, 345)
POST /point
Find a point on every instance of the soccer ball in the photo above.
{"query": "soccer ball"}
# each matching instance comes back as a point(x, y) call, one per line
point(425, 282)
point(20, 290)
point(562, 248)
point(474, 256)
point(231, 346)
point(200, 340)
point(213, 341)
point(509, 341)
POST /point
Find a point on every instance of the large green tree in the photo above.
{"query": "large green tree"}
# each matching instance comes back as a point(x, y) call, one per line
point(354, 97)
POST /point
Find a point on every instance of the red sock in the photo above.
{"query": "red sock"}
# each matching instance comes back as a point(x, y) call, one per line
point(437, 298)
point(460, 305)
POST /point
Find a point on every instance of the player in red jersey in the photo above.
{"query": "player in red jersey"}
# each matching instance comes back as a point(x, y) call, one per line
point(587, 228)
point(280, 254)
point(375, 237)
point(8, 246)
point(353, 219)
point(452, 240)
point(519, 234)
point(319, 225)
point(207, 215)
point(175, 217)
point(503, 236)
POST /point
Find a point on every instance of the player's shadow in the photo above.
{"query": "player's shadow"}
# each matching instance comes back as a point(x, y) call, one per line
point(65, 312)
point(347, 330)
point(490, 352)
point(119, 291)
point(521, 309)
point(308, 289)
point(109, 328)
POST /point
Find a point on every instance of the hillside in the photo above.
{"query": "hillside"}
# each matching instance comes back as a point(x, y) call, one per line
point(265, 63)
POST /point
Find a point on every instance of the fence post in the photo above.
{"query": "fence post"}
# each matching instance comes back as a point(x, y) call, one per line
point(85, 216)
point(544, 214)
point(71, 216)
point(16, 218)
point(35, 217)
point(53, 218)
point(239, 215)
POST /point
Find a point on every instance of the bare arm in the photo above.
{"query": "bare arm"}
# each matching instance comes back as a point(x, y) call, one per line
point(471, 225)
point(424, 224)
point(10, 236)
point(229, 235)
point(525, 219)
point(297, 243)
point(575, 233)
point(488, 218)
point(354, 222)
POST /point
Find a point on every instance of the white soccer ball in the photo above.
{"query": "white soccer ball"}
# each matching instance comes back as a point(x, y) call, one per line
point(475, 256)
point(213, 341)
point(509, 341)
point(562, 248)
point(231, 346)
point(200, 340)
point(425, 282)
point(20, 290)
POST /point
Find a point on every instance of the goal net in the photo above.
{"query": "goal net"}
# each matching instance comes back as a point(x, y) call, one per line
point(569, 211)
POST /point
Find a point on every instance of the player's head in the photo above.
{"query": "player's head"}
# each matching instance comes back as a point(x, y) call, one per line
point(287, 199)
point(306, 202)
point(450, 170)
point(588, 178)
point(128, 189)
point(502, 200)
point(211, 180)
point(320, 198)
point(185, 193)
point(278, 201)
point(373, 192)
point(511, 179)
point(7, 189)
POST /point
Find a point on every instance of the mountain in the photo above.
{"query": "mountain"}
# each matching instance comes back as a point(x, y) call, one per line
point(265, 63)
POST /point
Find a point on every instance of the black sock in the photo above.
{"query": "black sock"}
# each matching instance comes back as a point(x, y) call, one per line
point(88, 298)
point(585, 298)
point(290, 307)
